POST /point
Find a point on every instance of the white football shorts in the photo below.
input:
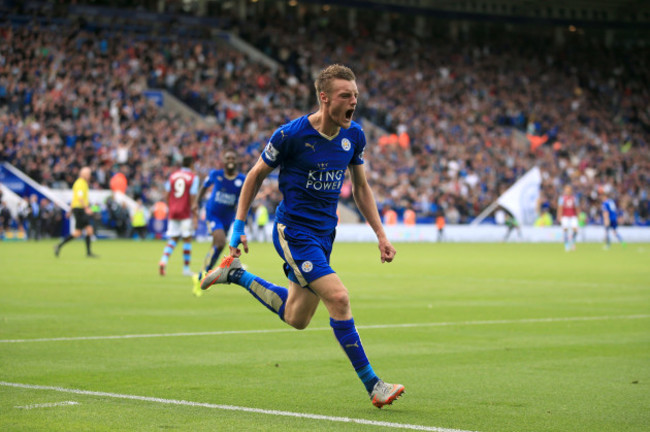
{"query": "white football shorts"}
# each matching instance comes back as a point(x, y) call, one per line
point(180, 228)
point(569, 222)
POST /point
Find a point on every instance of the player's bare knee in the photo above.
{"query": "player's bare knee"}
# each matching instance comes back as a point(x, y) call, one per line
point(339, 302)
point(299, 323)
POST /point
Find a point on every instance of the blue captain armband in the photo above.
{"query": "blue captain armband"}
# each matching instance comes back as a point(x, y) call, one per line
point(237, 232)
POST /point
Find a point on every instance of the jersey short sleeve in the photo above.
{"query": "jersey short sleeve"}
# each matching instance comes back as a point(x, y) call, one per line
point(275, 148)
point(359, 149)
point(209, 180)
point(194, 189)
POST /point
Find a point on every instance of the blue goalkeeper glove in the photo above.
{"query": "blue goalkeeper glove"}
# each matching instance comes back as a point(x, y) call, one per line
point(237, 232)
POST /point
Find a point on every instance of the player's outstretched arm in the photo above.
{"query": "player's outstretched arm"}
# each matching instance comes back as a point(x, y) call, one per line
point(252, 184)
point(199, 198)
point(366, 203)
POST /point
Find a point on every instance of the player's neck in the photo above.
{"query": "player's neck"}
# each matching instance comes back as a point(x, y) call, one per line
point(323, 124)
point(230, 174)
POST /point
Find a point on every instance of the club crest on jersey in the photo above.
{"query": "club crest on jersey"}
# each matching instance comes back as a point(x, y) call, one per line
point(271, 152)
point(307, 266)
point(238, 182)
point(346, 144)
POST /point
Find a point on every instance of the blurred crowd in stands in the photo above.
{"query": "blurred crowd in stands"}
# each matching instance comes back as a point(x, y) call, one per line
point(478, 114)
point(450, 124)
point(35, 219)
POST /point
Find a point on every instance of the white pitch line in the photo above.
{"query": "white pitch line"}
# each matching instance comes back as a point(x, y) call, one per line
point(367, 327)
point(520, 321)
point(235, 408)
point(48, 405)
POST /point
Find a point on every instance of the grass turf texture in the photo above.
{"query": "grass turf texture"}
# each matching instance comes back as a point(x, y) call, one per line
point(481, 354)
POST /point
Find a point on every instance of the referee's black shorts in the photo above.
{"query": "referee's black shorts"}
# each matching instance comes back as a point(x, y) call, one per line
point(81, 219)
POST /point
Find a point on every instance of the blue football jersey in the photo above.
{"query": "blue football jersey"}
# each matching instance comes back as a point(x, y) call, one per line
point(222, 202)
point(609, 206)
point(312, 170)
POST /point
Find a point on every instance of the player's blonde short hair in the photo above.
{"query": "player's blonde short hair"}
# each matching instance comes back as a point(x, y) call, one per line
point(326, 76)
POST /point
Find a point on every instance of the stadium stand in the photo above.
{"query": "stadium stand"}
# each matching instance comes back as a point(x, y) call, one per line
point(457, 121)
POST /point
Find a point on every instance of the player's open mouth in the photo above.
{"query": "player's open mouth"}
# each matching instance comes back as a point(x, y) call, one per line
point(348, 114)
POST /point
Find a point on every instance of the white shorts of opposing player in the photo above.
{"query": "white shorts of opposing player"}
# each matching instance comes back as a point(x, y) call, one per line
point(180, 228)
point(569, 222)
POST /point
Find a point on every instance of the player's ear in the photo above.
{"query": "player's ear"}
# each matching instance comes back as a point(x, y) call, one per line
point(323, 97)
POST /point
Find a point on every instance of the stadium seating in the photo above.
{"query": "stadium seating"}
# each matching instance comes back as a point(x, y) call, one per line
point(458, 121)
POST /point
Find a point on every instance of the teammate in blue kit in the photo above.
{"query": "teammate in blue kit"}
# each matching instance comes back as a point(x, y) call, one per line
point(610, 219)
point(313, 153)
point(220, 206)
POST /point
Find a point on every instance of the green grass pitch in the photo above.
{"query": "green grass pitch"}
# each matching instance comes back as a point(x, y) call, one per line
point(485, 337)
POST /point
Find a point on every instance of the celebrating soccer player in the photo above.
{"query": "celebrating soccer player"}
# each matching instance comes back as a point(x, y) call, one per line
point(220, 207)
point(313, 153)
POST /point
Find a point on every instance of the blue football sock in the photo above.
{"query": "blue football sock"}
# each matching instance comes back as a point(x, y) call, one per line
point(214, 255)
point(348, 337)
point(272, 296)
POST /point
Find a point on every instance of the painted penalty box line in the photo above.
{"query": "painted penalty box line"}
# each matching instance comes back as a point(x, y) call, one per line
point(234, 408)
point(362, 327)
